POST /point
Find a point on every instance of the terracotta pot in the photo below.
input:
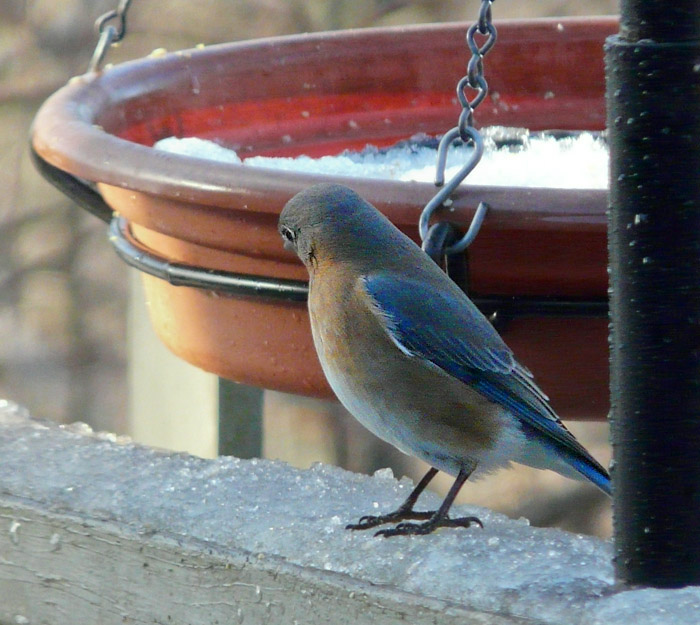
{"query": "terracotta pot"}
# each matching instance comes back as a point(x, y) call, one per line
point(319, 94)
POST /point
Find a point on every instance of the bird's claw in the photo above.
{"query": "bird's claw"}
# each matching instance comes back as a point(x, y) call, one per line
point(368, 521)
point(411, 529)
point(406, 529)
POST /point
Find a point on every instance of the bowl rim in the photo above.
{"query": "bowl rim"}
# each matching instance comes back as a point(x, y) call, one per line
point(65, 135)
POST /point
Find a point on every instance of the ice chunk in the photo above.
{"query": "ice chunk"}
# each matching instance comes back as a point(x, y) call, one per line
point(198, 148)
point(10, 412)
point(575, 162)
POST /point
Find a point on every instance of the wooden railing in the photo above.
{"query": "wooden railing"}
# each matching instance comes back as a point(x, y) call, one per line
point(95, 529)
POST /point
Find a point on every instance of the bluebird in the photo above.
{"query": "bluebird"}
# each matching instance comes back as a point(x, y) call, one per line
point(414, 360)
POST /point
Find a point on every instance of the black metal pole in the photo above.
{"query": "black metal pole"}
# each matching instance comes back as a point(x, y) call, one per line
point(653, 98)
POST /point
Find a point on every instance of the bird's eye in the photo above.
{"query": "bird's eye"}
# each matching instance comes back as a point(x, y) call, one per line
point(288, 235)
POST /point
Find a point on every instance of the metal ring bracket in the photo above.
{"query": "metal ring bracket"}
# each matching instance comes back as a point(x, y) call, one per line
point(78, 190)
point(179, 274)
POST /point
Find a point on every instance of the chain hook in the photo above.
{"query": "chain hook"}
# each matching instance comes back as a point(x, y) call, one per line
point(447, 190)
point(465, 131)
point(109, 34)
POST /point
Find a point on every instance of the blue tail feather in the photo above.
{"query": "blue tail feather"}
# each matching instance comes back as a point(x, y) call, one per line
point(595, 474)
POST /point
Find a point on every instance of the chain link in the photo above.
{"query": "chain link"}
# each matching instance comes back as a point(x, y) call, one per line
point(465, 130)
point(109, 34)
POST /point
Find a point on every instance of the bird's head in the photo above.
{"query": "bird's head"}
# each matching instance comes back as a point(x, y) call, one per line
point(332, 222)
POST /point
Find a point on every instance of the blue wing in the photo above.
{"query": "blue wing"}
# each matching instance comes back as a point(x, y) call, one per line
point(446, 329)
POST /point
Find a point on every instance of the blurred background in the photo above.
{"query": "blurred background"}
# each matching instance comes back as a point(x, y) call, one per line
point(64, 295)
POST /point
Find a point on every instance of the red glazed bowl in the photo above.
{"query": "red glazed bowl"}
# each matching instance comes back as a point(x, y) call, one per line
point(320, 94)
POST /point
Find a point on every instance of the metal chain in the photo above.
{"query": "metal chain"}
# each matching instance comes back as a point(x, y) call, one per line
point(109, 34)
point(464, 130)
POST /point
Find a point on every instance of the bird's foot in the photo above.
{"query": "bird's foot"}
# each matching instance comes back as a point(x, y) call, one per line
point(408, 529)
point(369, 521)
point(433, 518)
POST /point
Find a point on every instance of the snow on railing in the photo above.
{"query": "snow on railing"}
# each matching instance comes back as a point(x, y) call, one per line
point(97, 529)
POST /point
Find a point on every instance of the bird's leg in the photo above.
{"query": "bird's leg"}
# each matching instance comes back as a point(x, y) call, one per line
point(404, 511)
point(439, 518)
